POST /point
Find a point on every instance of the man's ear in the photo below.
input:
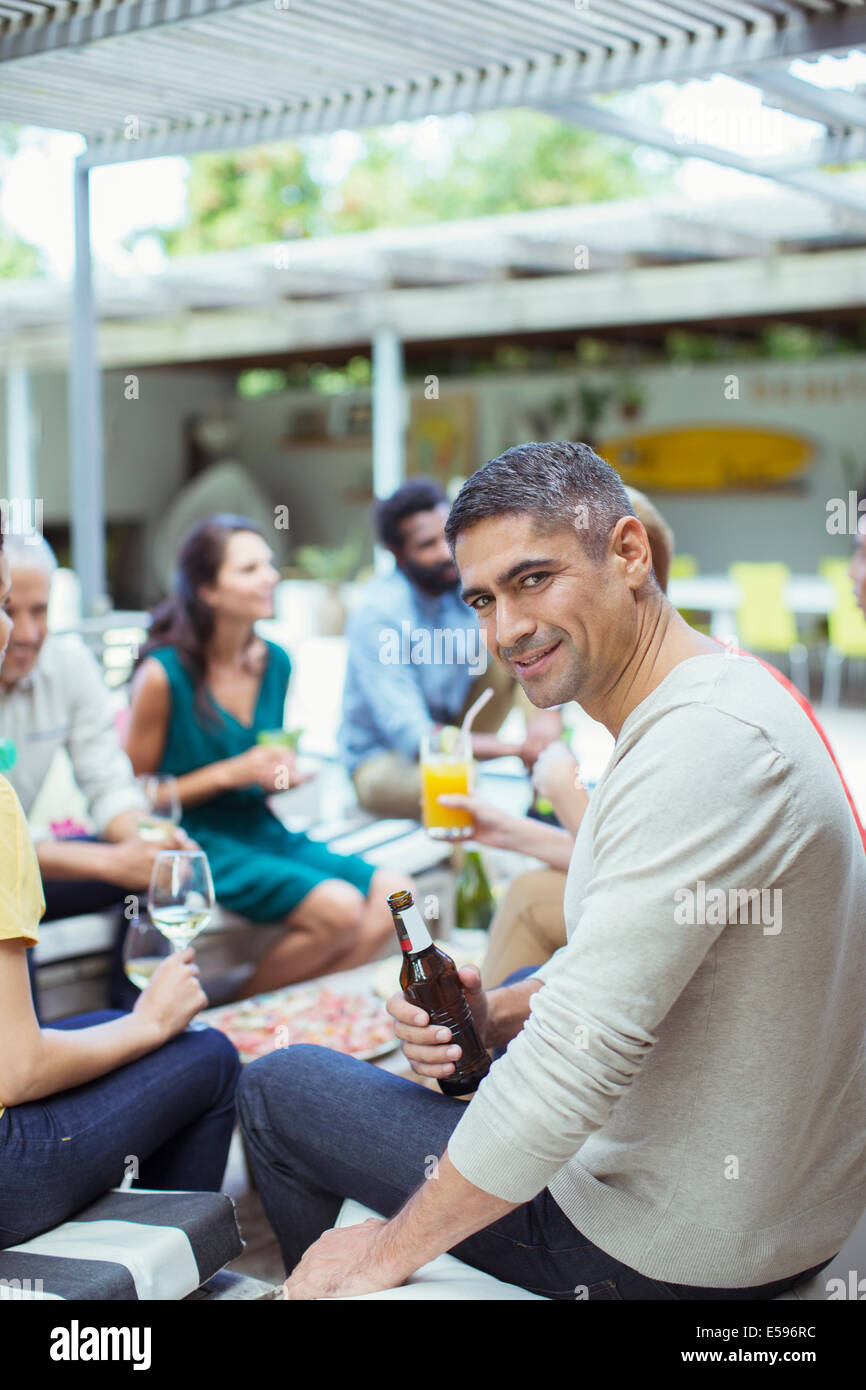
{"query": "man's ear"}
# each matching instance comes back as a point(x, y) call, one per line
point(631, 542)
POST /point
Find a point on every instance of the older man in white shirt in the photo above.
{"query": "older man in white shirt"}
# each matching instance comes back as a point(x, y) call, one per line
point(52, 696)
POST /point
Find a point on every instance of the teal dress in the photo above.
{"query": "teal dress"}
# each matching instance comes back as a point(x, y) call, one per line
point(260, 869)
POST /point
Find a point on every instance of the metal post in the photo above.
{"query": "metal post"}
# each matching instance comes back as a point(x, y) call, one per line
point(21, 473)
point(87, 485)
point(389, 424)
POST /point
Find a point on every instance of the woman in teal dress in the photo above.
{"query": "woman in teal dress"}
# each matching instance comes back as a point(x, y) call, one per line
point(205, 686)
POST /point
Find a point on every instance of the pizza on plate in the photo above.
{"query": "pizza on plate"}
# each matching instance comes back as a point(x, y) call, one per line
point(356, 1024)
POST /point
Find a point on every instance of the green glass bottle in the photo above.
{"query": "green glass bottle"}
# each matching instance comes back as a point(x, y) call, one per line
point(474, 902)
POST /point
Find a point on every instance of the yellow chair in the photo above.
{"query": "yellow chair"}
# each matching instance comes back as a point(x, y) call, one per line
point(686, 567)
point(764, 622)
point(847, 628)
point(683, 567)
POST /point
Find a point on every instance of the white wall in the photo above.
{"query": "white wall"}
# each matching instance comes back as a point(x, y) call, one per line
point(143, 438)
point(327, 488)
point(822, 400)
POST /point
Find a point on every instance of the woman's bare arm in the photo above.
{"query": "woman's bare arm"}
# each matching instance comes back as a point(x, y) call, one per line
point(149, 715)
point(37, 1062)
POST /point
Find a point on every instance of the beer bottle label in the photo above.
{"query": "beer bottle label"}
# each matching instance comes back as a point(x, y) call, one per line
point(417, 937)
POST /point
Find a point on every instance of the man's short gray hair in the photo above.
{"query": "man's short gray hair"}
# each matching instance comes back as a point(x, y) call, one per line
point(30, 552)
point(559, 484)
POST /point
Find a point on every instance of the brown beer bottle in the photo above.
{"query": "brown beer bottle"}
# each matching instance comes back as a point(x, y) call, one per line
point(429, 979)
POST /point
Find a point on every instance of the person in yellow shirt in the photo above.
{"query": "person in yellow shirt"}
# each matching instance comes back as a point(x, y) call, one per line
point(86, 1102)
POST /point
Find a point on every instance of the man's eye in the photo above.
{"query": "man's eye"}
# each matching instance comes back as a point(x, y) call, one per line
point(479, 603)
point(529, 577)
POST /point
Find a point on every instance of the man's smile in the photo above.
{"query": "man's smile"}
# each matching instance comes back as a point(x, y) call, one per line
point(534, 662)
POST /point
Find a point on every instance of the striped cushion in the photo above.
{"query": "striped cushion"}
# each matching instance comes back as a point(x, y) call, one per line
point(127, 1245)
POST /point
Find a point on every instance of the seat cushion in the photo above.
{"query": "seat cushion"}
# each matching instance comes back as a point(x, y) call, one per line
point(448, 1278)
point(127, 1245)
point(443, 1278)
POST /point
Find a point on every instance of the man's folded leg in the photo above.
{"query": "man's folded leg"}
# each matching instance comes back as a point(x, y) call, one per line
point(319, 1127)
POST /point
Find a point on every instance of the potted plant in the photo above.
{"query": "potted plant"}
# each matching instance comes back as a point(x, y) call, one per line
point(331, 566)
point(631, 399)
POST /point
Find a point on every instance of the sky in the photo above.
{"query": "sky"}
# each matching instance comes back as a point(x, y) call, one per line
point(36, 188)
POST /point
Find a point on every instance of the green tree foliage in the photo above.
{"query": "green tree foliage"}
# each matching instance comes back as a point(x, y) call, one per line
point(465, 166)
point(17, 258)
point(244, 197)
point(505, 161)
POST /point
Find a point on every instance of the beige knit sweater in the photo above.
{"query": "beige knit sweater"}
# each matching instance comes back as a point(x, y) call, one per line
point(691, 1081)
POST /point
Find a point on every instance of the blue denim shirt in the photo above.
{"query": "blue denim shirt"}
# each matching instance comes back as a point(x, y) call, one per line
point(412, 658)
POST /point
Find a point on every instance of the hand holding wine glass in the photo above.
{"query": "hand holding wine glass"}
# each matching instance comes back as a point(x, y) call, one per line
point(164, 807)
point(171, 994)
point(180, 900)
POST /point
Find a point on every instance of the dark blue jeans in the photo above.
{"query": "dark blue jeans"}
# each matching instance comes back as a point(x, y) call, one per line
point(319, 1127)
point(167, 1117)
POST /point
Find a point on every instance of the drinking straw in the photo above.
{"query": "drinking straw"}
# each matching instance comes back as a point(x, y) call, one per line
point(474, 709)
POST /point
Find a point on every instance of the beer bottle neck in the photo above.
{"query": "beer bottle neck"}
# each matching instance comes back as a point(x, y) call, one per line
point(412, 931)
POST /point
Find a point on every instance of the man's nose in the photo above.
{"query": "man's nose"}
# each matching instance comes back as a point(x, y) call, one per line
point(24, 630)
point(511, 625)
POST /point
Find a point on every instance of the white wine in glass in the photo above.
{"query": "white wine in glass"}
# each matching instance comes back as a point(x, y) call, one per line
point(181, 897)
point(144, 950)
point(165, 808)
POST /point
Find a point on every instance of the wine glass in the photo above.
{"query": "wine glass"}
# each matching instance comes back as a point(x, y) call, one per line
point(144, 950)
point(163, 801)
point(180, 899)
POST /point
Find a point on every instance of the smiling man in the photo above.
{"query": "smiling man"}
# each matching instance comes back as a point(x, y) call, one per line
point(681, 1109)
point(415, 661)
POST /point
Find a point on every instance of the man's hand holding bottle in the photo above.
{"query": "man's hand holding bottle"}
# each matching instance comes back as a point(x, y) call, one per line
point(427, 1048)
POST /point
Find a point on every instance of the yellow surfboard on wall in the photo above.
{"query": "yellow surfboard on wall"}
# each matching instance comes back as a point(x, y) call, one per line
point(707, 457)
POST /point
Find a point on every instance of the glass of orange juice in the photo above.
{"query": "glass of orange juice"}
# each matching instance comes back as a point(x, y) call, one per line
point(446, 768)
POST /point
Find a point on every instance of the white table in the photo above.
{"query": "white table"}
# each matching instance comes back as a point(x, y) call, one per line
point(720, 596)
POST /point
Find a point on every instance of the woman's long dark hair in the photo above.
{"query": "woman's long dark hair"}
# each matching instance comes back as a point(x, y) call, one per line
point(184, 621)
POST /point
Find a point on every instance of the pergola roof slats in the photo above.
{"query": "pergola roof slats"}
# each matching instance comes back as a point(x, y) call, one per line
point(337, 269)
point(202, 74)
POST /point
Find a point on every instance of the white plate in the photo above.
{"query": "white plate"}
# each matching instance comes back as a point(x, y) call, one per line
point(388, 1046)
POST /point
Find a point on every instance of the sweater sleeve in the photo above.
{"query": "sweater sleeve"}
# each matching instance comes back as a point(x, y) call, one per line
point(663, 822)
